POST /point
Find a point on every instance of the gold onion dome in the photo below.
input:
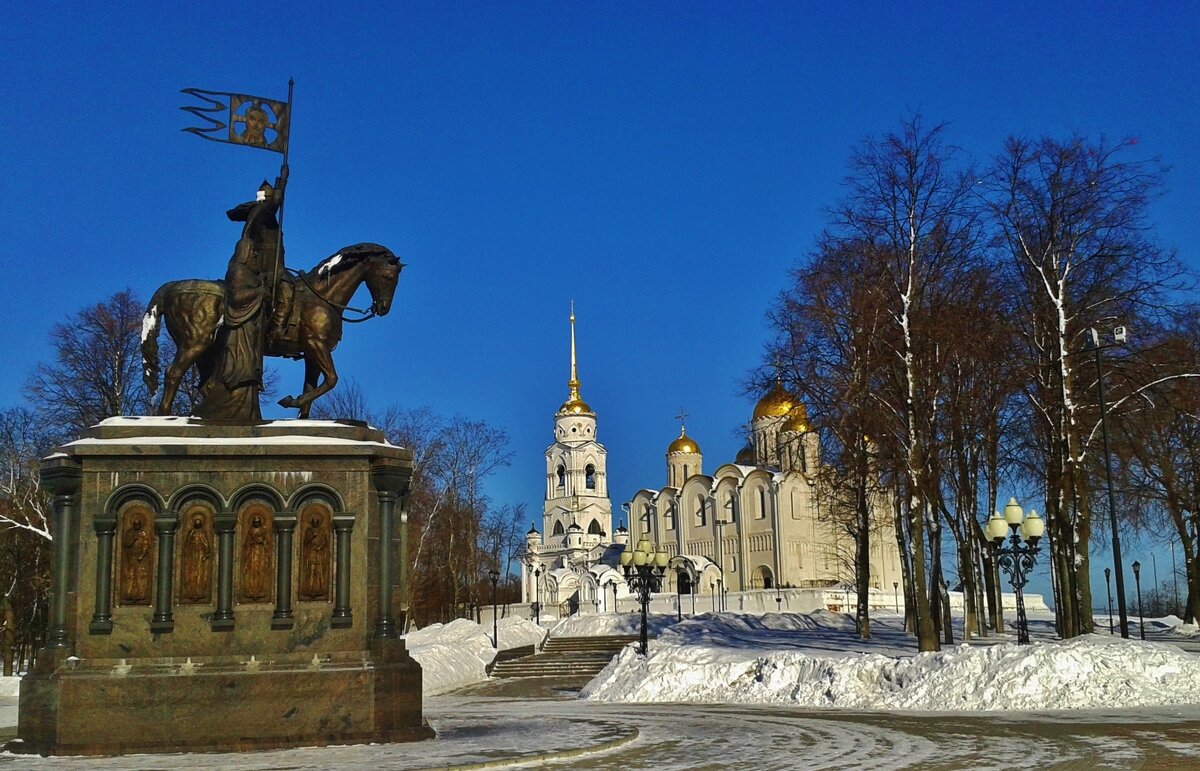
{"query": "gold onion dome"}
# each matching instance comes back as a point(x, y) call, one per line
point(775, 404)
point(683, 443)
point(797, 420)
point(575, 406)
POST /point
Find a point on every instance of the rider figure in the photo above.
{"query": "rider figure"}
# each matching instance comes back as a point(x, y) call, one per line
point(250, 308)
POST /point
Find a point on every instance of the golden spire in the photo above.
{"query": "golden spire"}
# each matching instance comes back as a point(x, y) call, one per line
point(573, 404)
point(573, 383)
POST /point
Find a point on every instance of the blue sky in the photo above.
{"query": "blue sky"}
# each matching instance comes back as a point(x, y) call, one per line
point(664, 164)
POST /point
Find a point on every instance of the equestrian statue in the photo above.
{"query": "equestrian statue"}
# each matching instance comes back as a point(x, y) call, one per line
point(225, 328)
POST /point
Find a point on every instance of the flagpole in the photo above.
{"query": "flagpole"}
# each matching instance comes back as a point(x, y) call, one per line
point(287, 141)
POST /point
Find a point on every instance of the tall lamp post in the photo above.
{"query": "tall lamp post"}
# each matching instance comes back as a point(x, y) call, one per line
point(644, 569)
point(896, 595)
point(495, 576)
point(1019, 556)
point(1137, 579)
point(1108, 589)
point(537, 604)
point(1119, 336)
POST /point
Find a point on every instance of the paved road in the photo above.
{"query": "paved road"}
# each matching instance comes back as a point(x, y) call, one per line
point(673, 736)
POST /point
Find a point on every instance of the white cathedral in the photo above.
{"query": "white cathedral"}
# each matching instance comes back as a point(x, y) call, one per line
point(754, 524)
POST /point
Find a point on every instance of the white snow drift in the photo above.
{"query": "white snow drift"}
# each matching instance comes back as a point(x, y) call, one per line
point(731, 658)
point(457, 654)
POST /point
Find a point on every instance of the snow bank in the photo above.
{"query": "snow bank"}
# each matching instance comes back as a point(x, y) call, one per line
point(457, 654)
point(610, 623)
point(700, 664)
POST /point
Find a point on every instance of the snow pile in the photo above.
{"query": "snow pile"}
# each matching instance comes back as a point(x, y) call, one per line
point(457, 654)
point(10, 687)
point(611, 623)
point(710, 660)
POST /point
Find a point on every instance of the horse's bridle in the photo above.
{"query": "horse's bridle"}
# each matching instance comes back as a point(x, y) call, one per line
point(341, 309)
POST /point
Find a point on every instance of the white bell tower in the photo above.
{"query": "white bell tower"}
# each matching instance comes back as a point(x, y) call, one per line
point(576, 471)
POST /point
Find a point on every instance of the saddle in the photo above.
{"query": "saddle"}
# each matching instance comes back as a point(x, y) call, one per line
point(283, 331)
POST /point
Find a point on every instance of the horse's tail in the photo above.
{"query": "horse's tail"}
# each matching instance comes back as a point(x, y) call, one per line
point(150, 328)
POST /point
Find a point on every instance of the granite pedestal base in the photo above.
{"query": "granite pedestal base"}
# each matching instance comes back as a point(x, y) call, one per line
point(219, 706)
point(223, 588)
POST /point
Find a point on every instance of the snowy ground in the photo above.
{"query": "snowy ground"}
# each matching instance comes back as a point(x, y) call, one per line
point(517, 720)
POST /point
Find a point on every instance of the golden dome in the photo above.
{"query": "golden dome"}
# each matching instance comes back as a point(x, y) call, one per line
point(575, 406)
point(775, 404)
point(683, 443)
point(797, 420)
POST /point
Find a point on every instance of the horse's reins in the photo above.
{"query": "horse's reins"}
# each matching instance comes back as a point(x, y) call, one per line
point(341, 309)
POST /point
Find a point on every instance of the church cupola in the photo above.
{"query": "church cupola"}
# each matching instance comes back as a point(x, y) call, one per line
point(793, 440)
point(683, 456)
point(770, 413)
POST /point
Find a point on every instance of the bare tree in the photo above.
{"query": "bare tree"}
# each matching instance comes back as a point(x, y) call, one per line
point(96, 372)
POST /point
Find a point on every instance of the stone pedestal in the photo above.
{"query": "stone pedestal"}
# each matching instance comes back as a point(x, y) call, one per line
point(223, 587)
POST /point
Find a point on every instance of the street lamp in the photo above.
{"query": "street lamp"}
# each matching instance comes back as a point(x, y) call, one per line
point(1119, 336)
point(678, 598)
point(1108, 589)
point(495, 576)
point(896, 595)
point(644, 569)
point(1137, 579)
point(537, 605)
point(1017, 558)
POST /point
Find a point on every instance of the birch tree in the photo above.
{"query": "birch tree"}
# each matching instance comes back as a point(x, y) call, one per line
point(1072, 217)
point(908, 202)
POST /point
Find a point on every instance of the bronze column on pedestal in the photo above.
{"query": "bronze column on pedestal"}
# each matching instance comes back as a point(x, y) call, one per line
point(225, 524)
point(62, 479)
point(164, 591)
point(285, 525)
point(102, 617)
point(343, 524)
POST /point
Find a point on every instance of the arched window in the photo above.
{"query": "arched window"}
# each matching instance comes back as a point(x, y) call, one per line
point(562, 476)
point(699, 519)
point(685, 474)
point(590, 477)
point(594, 528)
point(762, 503)
point(558, 528)
point(733, 507)
point(669, 517)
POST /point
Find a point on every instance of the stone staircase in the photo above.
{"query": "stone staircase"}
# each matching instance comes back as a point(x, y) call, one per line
point(566, 657)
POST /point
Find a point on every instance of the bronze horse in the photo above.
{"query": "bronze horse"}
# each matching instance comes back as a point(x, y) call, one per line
point(193, 310)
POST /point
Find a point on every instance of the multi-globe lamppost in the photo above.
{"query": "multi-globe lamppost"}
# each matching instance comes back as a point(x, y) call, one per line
point(1019, 556)
point(495, 576)
point(644, 570)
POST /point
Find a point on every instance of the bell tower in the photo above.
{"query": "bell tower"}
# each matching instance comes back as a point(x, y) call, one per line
point(576, 470)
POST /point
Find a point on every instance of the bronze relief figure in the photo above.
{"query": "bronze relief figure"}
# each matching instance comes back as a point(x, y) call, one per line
point(136, 548)
point(256, 561)
point(196, 564)
point(314, 560)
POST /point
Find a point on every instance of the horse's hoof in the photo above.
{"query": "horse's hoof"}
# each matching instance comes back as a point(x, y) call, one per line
point(287, 401)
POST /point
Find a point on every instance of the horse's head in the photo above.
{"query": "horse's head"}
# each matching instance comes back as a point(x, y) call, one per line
point(383, 274)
